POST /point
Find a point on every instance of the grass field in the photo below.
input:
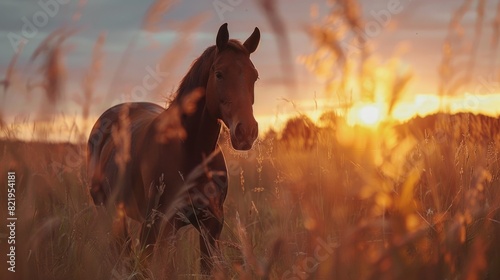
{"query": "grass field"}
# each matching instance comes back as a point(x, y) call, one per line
point(420, 200)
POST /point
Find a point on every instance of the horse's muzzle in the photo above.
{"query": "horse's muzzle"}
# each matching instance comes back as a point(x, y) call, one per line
point(243, 136)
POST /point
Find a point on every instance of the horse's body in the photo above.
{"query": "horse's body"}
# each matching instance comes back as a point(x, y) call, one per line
point(145, 176)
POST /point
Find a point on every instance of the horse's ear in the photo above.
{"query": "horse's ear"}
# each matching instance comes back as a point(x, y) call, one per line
point(222, 37)
point(253, 41)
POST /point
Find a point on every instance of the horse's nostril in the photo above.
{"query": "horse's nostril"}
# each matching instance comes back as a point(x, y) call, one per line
point(242, 132)
point(255, 131)
point(238, 132)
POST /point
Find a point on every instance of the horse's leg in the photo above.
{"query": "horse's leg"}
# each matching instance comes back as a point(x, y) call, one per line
point(98, 195)
point(121, 237)
point(213, 219)
point(210, 231)
point(151, 226)
point(116, 217)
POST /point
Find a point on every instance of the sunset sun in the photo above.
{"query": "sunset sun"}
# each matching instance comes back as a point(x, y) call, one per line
point(365, 115)
point(369, 114)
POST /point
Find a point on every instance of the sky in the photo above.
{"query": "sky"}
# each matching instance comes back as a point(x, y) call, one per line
point(415, 33)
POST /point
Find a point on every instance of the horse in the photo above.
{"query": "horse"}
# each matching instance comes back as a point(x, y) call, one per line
point(141, 174)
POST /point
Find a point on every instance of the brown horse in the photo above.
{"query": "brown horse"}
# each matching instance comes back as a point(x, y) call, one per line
point(148, 177)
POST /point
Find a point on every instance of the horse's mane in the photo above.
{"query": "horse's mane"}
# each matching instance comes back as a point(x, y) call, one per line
point(197, 75)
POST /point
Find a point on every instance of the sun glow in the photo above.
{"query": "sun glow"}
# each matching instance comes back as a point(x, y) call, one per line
point(365, 114)
point(369, 114)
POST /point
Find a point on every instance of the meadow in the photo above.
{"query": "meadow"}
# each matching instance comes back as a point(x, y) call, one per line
point(423, 203)
point(418, 199)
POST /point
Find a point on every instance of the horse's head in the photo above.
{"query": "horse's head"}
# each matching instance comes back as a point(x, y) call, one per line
point(230, 87)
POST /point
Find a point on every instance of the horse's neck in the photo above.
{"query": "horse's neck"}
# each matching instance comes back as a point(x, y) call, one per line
point(201, 128)
point(202, 131)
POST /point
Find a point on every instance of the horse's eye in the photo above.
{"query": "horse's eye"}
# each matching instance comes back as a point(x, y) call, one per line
point(218, 75)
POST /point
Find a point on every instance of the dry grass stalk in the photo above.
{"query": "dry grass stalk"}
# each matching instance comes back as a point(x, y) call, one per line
point(90, 79)
point(170, 124)
point(53, 70)
point(154, 14)
point(495, 26)
point(342, 53)
point(122, 139)
point(455, 76)
point(11, 71)
point(270, 9)
point(251, 264)
point(151, 19)
point(172, 58)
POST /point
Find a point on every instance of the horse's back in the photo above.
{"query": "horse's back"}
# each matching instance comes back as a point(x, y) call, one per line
point(102, 148)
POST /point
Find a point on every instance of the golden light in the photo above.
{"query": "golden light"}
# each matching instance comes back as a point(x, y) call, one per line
point(369, 114)
point(365, 114)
